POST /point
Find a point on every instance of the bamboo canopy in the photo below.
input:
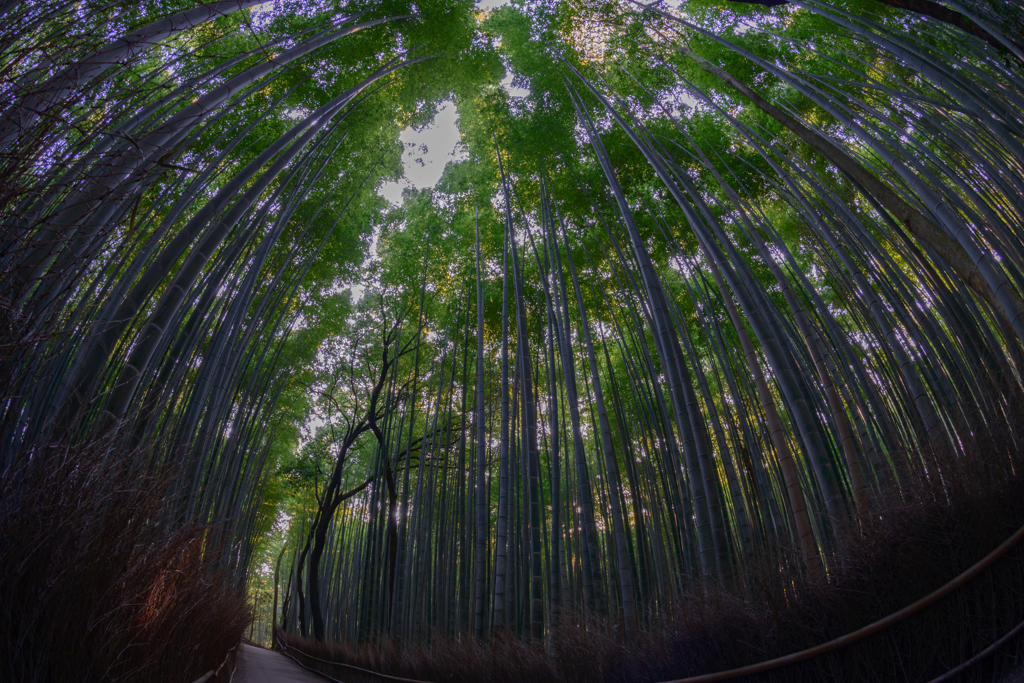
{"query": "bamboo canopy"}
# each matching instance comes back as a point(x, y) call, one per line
point(723, 279)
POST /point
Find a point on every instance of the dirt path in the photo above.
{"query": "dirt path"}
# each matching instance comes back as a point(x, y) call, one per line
point(256, 665)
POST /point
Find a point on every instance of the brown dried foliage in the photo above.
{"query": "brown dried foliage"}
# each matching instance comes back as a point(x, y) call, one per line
point(95, 585)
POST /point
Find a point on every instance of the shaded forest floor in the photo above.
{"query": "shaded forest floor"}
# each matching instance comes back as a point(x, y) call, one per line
point(915, 545)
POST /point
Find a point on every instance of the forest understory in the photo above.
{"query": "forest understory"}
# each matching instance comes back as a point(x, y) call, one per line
point(98, 584)
point(912, 547)
point(146, 619)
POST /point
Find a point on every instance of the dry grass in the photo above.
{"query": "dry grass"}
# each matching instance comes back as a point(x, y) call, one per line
point(916, 544)
point(95, 586)
point(501, 659)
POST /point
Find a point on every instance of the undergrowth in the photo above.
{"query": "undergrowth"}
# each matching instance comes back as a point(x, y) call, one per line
point(95, 585)
point(958, 511)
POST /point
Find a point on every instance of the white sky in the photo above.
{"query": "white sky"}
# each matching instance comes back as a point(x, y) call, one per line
point(428, 150)
point(426, 153)
point(513, 90)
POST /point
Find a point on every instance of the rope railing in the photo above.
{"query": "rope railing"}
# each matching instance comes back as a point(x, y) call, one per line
point(321, 674)
point(953, 673)
point(214, 673)
point(795, 657)
point(352, 667)
point(852, 637)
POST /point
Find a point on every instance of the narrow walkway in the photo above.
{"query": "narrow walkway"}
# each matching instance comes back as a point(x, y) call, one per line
point(1015, 676)
point(256, 665)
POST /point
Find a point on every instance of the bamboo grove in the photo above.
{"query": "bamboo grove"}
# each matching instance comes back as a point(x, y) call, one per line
point(723, 280)
point(170, 190)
